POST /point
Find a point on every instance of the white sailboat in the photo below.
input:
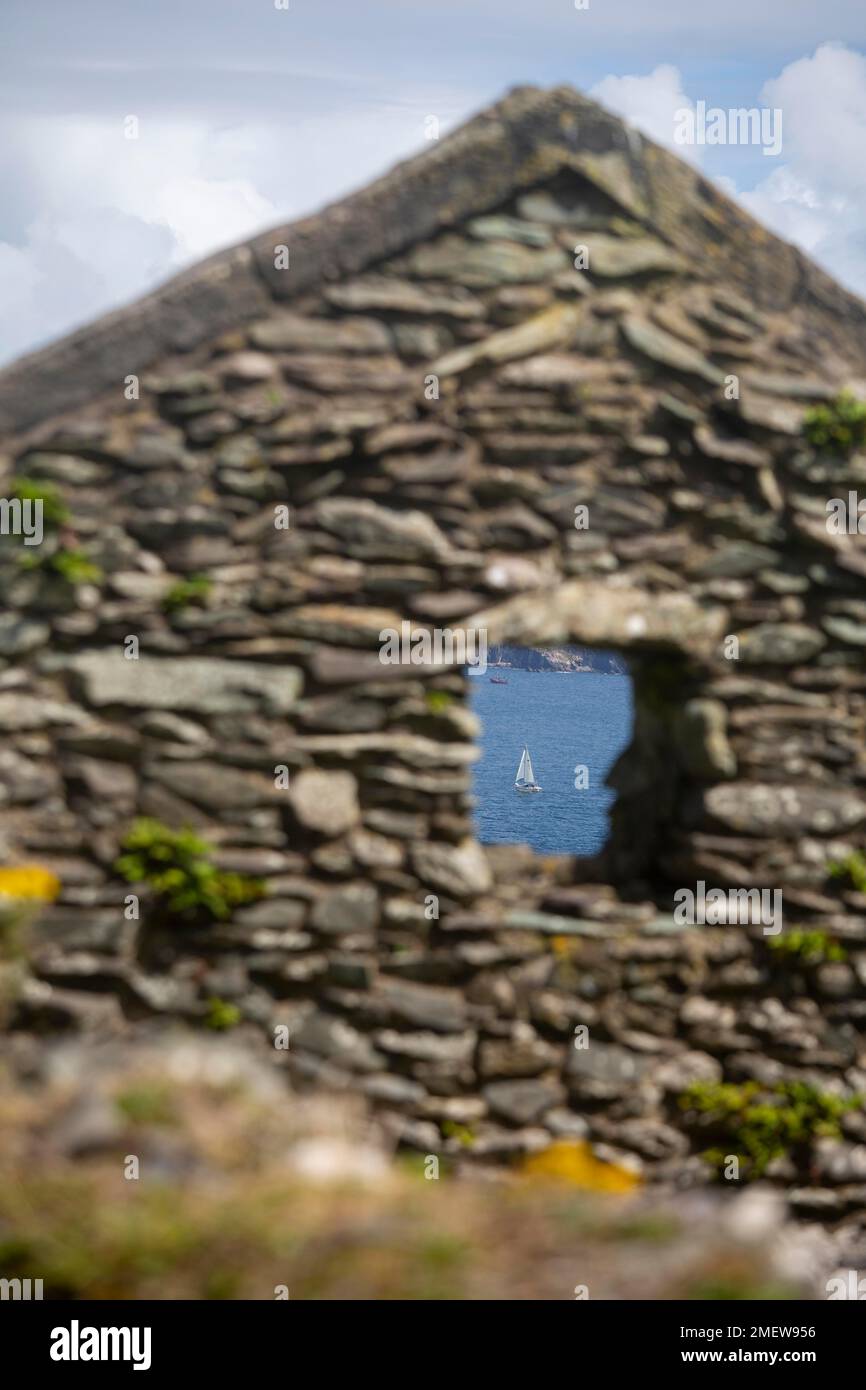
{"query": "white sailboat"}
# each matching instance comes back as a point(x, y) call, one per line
point(525, 779)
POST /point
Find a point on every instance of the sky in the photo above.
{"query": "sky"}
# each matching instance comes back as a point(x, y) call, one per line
point(248, 113)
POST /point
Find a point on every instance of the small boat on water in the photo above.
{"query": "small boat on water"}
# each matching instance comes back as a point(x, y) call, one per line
point(525, 779)
point(498, 680)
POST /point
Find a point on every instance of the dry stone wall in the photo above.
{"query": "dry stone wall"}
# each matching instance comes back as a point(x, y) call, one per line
point(198, 641)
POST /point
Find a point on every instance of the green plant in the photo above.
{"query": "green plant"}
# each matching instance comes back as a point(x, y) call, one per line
point(74, 566)
point(462, 1133)
point(187, 591)
point(176, 864)
point(809, 947)
point(838, 427)
point(438, 700)
point(852, 868)
point(148, 1103)
point(68, 563)
point(54, 510)
point(221, 1016)
point(760, 1123)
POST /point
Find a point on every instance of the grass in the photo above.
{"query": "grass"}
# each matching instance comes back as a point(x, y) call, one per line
point(251, 1222)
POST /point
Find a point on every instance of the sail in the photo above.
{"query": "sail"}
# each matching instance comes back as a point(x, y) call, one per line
point(524, 771)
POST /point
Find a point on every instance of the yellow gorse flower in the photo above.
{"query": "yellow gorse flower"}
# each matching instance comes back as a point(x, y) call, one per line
point(574, 1162)
point(29, 882)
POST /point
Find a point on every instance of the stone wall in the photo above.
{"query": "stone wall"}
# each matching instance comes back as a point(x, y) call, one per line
point(431, 421)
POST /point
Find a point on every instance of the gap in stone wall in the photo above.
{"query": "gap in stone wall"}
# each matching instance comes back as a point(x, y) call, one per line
point(573, 709)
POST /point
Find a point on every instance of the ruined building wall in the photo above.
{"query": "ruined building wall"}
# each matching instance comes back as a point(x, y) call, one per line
point(197, 640)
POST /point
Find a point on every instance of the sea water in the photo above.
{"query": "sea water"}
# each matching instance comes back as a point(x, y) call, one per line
point(569, 721)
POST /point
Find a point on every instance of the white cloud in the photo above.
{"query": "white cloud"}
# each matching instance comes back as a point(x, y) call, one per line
point(118, 216)
point(815, 195)
point(651, 103)
point(817, 198)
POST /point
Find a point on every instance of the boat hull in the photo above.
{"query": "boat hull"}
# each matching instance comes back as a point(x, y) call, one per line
point(524, 790)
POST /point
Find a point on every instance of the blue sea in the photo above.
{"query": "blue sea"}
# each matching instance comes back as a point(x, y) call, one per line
point(566, 719)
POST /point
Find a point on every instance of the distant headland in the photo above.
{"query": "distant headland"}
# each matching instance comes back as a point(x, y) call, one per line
point(579, 659)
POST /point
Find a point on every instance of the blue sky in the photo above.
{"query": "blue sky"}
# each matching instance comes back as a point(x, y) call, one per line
point(249, 114)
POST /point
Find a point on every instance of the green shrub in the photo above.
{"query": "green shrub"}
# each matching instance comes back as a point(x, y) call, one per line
point(852, 868)
point(809, 947)
point(221, 1016)
point(186, 592)
point(74, 566)
point(437, 701)
point(838, 427)
point(760, 1123)
point(68, 563)
point(176, 864)
point(54, 510)
point(148, 1103)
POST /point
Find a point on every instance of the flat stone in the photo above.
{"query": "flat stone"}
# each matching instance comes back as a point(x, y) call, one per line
point(422, 1006)
point(552, 369)
point(522, 1102)
point(109, 781)
point(392, 295)
point(325, 801)
point(393, 1090)
point(794, 387)
point(713, 446)
point(499, 227)
point(779, 644)
point(373, 531)
point(550, 328)
point(481, 264)
point(669, 351)
point(19, 635)
point(454, 1050)
point(293, 332)
point(845, 630)
point(756, 808)
point(459, 870)
point(333, 1038)
point(515, 1057)
point(543, 206)
point(244, 368)
point(770, 413)
point(19, 713)
point(679, 1072)
point(208, 685)
point(619, 257)
point(213, 786)
point(603, 1071)
point(63, 468)
point(344, 624)
point(702, 740)
point(736, 560)
point(353, 907)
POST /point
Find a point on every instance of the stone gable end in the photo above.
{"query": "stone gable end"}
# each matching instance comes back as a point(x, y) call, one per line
point(544, 313)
